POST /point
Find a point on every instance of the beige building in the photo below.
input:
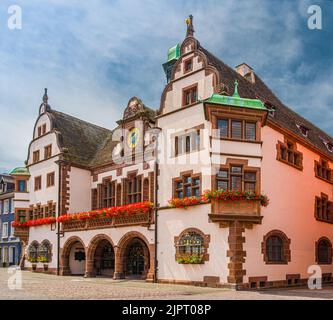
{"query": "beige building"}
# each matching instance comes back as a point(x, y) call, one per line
point(137, 189)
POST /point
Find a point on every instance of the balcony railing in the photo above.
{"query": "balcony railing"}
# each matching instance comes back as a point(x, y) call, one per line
point(144, 218)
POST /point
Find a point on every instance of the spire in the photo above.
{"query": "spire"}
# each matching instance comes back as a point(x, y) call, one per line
point(45, 97)
point(190, 29)
point(236, 94)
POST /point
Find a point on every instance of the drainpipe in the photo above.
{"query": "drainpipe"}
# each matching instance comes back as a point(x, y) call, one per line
point(58, 223)
point(155, 218)
point(156, 209)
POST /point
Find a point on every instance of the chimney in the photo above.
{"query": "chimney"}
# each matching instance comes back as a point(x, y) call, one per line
point(246, 72)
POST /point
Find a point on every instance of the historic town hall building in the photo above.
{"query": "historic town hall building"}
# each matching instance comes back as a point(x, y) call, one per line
point(222, 185)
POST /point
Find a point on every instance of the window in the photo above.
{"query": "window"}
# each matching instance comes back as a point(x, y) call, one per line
point(287, 153)
point(5, 230)
point(38, 183)
point(250, 131)
point(44, 251)
point(6, 205)
point(22, 187)
point(44, 128)
point(188, 65)
point(48, 151)
point(190, 95)
point(187, 185)
point(187, 143)
point(50, 179)
point(12, 255)
point(193, 244)
point(21, 216)
point(223, 126)
point(236, 178)
point(35, 157)
point(324, 251)
point(276, 248)
point(39, 129)
point(237, 129)
point(134, 185)
point(32, 252)
point(323, 209)
point(109, 194)
point(303, 129)
point(323, 171)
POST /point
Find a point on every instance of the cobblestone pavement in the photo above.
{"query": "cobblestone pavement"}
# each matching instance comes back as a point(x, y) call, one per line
point(43, 286)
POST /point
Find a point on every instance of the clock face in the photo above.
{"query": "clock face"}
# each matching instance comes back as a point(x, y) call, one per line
point(133, 138)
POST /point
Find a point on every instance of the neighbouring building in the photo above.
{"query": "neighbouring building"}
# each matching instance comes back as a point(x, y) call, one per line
point(127, 202)
point(10, 248)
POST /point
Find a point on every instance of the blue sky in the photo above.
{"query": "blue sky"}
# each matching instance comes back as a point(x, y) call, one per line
point(94, 55)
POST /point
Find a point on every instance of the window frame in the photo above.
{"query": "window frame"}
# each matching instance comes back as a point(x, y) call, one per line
point(50, 175)
point(287, 150)
point(48, 151)
point(319, 167)
point(329, 257)
point(36, 156)
point(286, 252)
point(37, 186)
point(243, 122)
point(244, 170)
point(190, 90)
point(186, 62)
point(184, 184)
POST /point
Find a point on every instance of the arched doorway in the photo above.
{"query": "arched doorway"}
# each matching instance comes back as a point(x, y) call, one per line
point(104, 259)
point(73, 257)
point(136, 259)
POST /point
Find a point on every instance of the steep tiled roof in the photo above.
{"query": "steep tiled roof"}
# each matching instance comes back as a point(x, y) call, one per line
point(283, 117)
point(81, 138)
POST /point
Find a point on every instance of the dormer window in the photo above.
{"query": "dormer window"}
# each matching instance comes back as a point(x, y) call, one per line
point(188, 65)
point(303, 129)
point(329, 146)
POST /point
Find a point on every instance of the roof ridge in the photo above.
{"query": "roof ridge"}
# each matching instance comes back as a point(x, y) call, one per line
point(78, 119)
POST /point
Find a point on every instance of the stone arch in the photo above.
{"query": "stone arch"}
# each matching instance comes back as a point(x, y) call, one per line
point(121, 250)
point(65, 252)
point(91, 250)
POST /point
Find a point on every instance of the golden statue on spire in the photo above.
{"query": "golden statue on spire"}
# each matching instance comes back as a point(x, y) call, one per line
point(189, 23)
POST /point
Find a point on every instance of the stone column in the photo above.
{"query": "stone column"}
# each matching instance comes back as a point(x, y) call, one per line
point(150, 274)
point(236, 253)
point(89, 272)
point(118, 264)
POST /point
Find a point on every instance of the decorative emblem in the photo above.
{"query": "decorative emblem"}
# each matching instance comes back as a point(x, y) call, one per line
point(133, 138)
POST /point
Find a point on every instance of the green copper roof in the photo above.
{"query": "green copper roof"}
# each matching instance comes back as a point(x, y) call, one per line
point(20, 171)
point(174, 53)
point(236, 101)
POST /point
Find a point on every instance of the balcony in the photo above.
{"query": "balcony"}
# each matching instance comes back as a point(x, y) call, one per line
point(22, 233)
point(143, 219)
point(241, 210)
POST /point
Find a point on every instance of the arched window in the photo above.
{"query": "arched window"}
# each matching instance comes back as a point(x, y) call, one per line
point(191, 246)
point(191, 243)
point(276, 248)
point(324, 251)
point(44, 252)
point(33, 252)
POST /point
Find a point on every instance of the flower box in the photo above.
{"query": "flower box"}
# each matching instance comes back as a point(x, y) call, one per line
point(189, 259)
point(237, 207)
